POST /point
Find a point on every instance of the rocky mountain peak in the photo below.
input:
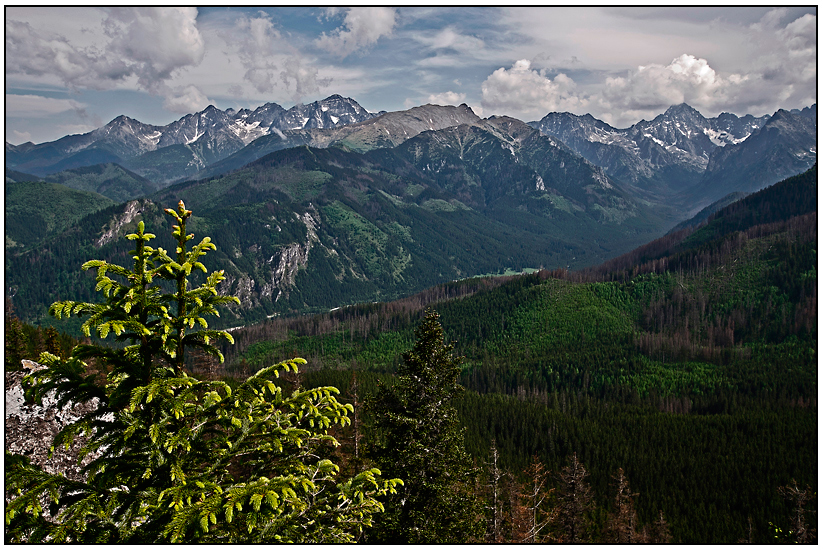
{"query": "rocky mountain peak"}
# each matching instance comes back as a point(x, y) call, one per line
point(682, 109)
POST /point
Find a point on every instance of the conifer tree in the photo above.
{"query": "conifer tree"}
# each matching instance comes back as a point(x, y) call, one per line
point(574, 502)
point(52, 341)
point(420, 440)
point(622, 524)
point(173, 458)
point(15, 343)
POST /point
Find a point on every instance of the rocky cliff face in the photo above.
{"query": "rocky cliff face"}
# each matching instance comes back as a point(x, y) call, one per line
point(30, 428)
point(112, 229)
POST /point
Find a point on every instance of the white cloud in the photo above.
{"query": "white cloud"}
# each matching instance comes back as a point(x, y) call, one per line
point(301, 79)
point(527, 94)
point(361, 28)
point(252, 39)
point(184, 100)
point(448, 47)
point(18, 137)
point(449, 38)
point(794, 58)
point(30, 53)
point(742, 60)
point(154, 42)
point(447, 98)
point(35, 106)
point(782, 72)
point(653, 87)
point(271, 63)
point(143, 45)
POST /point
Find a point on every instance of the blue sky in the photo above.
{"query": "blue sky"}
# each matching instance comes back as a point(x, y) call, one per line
point(70, 70)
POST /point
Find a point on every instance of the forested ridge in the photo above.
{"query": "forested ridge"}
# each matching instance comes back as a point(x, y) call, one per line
point(694, 368)
point(674, 387)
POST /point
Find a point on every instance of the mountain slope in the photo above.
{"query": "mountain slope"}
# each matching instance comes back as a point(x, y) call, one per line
point(307, 229)
point(110, 180)
point(704, 214)
point(793, 197)
point(694, 371)
point(784, 146)
point(35, 210)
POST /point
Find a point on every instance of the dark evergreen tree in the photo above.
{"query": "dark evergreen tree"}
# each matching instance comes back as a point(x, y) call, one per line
point(574, 502)
point(52, 342)
point(15, 343)
point(418, 438)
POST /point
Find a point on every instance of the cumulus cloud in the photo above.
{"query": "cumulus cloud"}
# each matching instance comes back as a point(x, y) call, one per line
point(526, 93)
point(149, 44)
point(154, 41)
point(301, 79)
point(782, 72)
point(447, 98)
point(361, 28)
point(686, 79)
point(800, 38)
point(33, 54)
point(184, 100)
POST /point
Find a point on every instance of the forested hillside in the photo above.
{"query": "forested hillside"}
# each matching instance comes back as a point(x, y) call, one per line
point(305, 230)
point(690, 363)
point(36, 210)
point(667, 395)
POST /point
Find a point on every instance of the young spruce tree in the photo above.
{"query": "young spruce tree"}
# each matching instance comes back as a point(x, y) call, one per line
point(419, 438)
point(172, 458)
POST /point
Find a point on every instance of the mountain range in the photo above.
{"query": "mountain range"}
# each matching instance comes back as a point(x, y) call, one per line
point(307, 229)
point(682, 156)
point(327, 204)
point(179, 149)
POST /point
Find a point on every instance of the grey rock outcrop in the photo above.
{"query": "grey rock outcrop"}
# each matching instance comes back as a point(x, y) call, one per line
point(31, 428)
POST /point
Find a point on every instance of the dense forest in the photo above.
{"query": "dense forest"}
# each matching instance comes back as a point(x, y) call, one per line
point(667, 395)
